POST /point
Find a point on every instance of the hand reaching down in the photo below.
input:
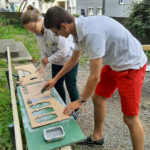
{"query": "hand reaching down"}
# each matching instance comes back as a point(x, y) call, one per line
point(71, 107)
point(41, 71)
point(49, 84)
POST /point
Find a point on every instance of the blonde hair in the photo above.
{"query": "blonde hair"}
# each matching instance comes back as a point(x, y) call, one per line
point(31, 14)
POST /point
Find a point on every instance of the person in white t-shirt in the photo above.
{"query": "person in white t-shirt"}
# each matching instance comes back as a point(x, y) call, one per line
point(105, 41)
point(55, 50)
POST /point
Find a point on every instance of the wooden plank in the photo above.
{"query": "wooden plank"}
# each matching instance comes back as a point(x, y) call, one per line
point(18, 138)
point(66, 148)
point(146, 47)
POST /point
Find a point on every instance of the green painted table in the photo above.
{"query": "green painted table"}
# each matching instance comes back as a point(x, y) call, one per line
point(35, 138)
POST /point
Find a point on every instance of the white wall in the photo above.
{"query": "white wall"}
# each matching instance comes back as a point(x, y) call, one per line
point(3, 4)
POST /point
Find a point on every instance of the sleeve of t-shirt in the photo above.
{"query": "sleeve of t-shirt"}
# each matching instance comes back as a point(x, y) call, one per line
point(71, 42)
point(76, 47)
point(63, 49)
point(95, 45)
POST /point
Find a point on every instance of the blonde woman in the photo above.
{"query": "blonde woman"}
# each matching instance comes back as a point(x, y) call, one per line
point(54, 49)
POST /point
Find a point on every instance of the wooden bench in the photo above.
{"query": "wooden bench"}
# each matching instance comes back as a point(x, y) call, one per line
point(146, 47)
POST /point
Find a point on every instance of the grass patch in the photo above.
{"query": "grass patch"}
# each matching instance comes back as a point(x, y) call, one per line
point(18, 33)
point(148, 54)
point(84, 59)
point(5, 108)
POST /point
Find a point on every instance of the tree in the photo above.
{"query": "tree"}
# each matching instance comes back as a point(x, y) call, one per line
point(139, 21)
point(25, 3)
point(7, 1)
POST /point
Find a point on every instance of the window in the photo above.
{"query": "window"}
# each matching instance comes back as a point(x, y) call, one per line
point(33, 3)
point(61, 4)
point(122, 1)
point(126, 2)
point(99, 11)
point(90, 11)
point(139, 1)
point(73, 10)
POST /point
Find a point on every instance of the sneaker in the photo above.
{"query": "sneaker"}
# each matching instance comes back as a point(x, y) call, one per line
point(89, 142)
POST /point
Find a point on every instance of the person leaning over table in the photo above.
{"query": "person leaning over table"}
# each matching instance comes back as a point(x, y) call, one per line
point(105, 41)
point(55, 50)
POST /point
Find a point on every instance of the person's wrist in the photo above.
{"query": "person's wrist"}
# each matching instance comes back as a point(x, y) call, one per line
point(54, 80)
point(43, 65)
point(81, 100)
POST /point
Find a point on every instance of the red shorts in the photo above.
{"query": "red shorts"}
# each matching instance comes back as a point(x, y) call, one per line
point(129, 84)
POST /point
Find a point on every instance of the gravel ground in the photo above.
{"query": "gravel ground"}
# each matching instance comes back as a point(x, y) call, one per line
point(115, 131)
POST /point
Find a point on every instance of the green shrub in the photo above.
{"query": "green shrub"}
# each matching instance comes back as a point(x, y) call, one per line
point(18, 33)
point(4, 20)
point(139, 21)
point(76, 15)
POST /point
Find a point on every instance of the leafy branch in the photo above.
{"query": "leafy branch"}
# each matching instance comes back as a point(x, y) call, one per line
point(139, 20)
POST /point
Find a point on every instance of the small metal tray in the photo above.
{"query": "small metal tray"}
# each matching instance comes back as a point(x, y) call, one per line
point(54, 133)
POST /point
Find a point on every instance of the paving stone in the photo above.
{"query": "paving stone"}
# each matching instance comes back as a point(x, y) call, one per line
point(4, 43)
point(17, 50)
point(23, 52)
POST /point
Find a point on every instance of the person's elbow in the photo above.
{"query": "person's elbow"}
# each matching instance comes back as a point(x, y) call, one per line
point(72, 63)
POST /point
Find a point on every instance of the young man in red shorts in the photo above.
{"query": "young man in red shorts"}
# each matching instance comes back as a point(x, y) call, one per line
point(105, 41)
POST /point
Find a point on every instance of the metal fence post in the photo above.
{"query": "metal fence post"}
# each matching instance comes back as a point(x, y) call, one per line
point(12, 135)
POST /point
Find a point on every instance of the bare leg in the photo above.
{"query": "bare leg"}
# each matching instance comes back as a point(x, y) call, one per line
point(136, 131)
point(99, 116)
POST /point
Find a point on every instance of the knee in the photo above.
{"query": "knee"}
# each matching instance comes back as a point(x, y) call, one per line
point(130, 120)
point(98, 100)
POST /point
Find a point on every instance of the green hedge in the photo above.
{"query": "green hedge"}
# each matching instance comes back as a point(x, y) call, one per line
point(139, 21)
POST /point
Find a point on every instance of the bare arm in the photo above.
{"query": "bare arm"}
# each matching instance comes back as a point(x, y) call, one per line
point(93, 79)
point(66, 68)
point(69, 64)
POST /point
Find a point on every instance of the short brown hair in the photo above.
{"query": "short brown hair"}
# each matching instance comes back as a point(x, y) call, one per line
point(31, 14)
point(55, 16)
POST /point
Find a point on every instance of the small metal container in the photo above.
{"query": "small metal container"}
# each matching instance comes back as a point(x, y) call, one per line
point(54, 133)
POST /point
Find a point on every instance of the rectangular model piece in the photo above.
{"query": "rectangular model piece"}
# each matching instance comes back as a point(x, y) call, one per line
point(43, 109)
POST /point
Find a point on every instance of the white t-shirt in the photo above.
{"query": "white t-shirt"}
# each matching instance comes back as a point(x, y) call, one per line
point(101, 36)
point(58, 49)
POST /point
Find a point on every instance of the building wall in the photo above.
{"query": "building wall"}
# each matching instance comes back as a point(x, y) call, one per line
point(71, 6)
point(43, 7)
point(113, 8)
point(84, 4)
